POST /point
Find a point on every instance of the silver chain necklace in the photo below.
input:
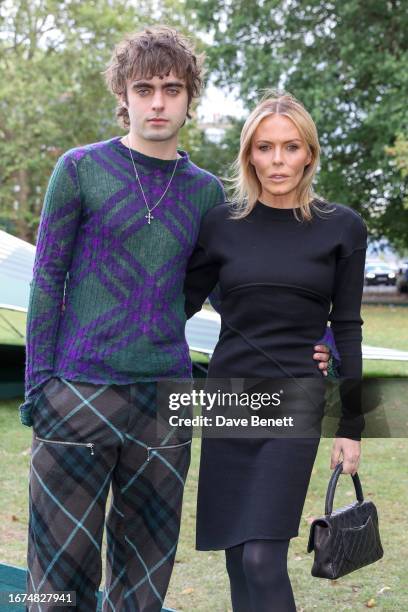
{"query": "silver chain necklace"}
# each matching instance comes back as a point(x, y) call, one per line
point(149, 215)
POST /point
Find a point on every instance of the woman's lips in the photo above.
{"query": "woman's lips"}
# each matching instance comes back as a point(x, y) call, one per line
point(278, 177)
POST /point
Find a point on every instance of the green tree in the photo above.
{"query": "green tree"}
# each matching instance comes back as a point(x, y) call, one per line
point(400, 153)
point(217, 157)
point(346, 61)
point(52, 93)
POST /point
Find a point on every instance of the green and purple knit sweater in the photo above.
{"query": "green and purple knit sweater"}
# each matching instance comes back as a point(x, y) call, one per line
point(107, 302)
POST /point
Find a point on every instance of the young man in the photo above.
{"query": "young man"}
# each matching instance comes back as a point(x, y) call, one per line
point(106, 322)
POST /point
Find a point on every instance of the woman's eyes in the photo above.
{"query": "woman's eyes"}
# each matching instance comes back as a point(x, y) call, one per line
point(290, 147)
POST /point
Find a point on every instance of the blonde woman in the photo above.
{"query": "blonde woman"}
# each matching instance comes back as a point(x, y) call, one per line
point(286, 263)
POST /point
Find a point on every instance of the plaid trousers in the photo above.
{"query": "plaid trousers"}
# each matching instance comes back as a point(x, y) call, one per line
point(87, 438)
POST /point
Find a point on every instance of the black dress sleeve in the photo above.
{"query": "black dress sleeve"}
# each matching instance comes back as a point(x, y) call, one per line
point(346, 323)
point(201, 278)
point(202, 269)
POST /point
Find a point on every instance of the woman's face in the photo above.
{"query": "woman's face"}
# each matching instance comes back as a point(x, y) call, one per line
point(279, 156)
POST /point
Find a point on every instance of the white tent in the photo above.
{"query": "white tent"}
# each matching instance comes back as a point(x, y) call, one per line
point(16, 266)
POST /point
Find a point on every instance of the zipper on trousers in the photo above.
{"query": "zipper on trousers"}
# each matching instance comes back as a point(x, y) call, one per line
point(90, 445)
point(153, 448)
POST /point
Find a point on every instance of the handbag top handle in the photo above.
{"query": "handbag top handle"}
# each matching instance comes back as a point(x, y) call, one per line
point(331, 489)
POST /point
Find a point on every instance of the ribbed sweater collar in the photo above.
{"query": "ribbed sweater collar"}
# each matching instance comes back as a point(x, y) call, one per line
point(146, 160)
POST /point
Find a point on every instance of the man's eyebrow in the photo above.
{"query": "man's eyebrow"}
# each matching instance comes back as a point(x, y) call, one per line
point(174, 84)
point(168, 84)
point(144, 83)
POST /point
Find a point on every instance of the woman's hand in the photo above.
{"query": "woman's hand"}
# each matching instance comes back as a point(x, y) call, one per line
point(322, 355)
point(350, 450)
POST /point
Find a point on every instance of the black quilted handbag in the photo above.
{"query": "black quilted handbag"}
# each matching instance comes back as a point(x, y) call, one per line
point(346, 539)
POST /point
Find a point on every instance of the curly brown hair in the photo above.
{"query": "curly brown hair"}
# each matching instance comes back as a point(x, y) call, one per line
point(153, 52)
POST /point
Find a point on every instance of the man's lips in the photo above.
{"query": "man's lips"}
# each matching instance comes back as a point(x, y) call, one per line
point(157, 120)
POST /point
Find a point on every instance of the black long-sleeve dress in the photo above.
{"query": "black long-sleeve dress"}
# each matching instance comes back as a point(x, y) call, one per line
point(280, 281)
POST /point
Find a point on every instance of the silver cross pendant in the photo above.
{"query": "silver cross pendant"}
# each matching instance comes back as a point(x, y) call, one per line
point(149, 216)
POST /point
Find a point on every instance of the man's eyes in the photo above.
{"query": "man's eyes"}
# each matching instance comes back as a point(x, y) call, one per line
point(173, 91)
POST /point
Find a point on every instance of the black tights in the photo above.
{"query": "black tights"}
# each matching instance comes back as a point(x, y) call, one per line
point(259, 576)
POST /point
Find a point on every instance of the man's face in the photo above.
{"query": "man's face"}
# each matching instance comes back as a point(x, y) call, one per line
point(157, 107)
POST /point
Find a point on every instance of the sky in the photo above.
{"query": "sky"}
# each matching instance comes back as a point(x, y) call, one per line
point(218, 102)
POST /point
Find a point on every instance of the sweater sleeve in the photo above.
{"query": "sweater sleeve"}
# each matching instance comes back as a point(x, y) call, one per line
point(56, 237)
point(346, 324)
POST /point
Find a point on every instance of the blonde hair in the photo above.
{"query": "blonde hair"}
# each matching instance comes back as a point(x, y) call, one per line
point(247, 187)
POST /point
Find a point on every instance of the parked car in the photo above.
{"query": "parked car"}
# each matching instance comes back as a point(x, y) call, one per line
point(380, 274)
point(402, 278)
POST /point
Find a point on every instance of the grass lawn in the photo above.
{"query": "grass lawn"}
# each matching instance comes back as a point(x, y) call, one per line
point(12, 327)
point(385, 326)
point(199, 581)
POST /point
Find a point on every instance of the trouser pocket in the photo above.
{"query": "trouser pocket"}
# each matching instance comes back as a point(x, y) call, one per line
point(89, 445)
point(154, 450)
point(76, 413)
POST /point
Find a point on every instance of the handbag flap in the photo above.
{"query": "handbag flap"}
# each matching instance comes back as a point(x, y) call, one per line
point(320, 521)
point(359, 542)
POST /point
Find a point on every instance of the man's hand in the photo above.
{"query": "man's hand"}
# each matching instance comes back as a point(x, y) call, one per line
point(322, 355)
point(351, 451)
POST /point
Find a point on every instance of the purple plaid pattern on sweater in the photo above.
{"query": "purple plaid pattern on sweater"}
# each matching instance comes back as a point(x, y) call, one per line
point(106, 302)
